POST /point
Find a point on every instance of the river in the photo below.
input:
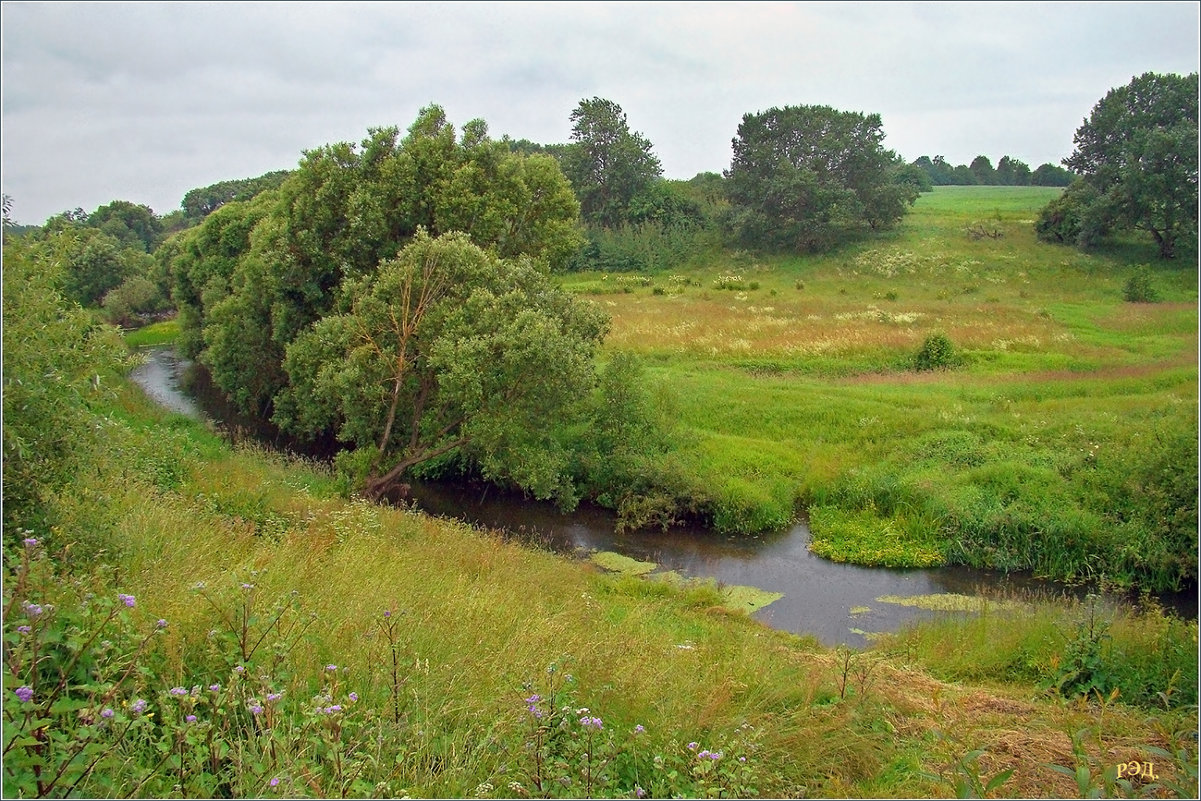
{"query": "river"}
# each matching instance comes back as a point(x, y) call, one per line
point(837, 603)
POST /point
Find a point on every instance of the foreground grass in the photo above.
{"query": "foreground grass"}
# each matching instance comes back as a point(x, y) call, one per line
point(1060, 444)
point(367, 651)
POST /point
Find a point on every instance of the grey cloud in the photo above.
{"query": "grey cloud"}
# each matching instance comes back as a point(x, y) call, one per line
point(145, 101)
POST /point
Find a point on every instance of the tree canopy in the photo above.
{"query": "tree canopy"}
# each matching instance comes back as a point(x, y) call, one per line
point(804, 177)
point(1138, 151)
point(201, 202)
point(447, 347)
point(607, 164)
point(254, 276)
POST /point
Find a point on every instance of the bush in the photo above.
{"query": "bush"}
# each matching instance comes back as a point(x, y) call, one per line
point(936, 353)
point(1077, 217)
point(129, 304)
point(1138, 288)
point(57, 362)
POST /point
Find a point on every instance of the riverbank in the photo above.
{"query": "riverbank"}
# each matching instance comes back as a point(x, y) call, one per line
point(1059, 438)
point(798, 591)
point(452, 649)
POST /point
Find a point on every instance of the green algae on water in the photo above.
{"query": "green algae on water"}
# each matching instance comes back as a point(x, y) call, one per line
point(622, 564)
point(949, 602)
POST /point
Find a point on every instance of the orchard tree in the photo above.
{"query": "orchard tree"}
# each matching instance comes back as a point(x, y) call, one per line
point(1138, 150)
point(447, 348)
point(607, 164)
point(805, 177)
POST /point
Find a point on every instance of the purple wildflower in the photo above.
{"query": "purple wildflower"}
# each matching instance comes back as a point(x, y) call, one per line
point(24, 693)
point(703, 754)
point(138, 706)
point(31, 542)
point(31, 609)
point(353, 696)
point(274, 696)
point(162, 624)
point(693, 746)
point(387, 613)
point(639, 729)
point(256, 709)
point(639, 792)
point(178, 691)
point(190, 718)
point(106, 713)
point(742, 759)
point(274, 782)
point(591, 723)
point(128, 600)
point(331, 710)
point(239, 669)
point(246, 586)
point(331, 667)
point(215, 688)
point(24, 629)
point(716, 755)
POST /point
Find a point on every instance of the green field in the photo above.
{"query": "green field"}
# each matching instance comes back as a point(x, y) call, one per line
point(1058, 443)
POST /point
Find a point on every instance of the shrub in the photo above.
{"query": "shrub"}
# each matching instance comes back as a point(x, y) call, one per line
point(936, 353)
point(1138, 288)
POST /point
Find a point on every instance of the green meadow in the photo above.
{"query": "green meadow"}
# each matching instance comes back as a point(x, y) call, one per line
point(196, 619)
point(1059, 438)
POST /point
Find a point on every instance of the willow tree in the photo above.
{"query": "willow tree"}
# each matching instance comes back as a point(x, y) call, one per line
point(346, 209)
point(448, 348)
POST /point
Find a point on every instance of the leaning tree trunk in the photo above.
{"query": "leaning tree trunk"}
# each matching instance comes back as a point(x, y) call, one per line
point(374, 487)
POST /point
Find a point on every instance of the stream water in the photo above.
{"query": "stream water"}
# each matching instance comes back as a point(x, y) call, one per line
point(834, 602)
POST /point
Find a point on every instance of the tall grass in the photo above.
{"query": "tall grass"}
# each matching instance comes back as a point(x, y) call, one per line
point(366, 651)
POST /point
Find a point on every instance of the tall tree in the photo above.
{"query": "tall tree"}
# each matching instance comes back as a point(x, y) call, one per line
point(607, 164)
point(804, 177)
point(1138, 149)
point(1050, 175)
point(200, 202)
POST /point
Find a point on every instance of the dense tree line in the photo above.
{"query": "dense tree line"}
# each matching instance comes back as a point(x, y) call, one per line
point(201, 202)
point(1008, 172)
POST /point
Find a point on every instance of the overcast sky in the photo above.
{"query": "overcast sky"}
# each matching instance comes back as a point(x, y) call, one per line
point(144, 101)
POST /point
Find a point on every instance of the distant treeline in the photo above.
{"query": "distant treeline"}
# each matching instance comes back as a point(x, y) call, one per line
point(1008, 172)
